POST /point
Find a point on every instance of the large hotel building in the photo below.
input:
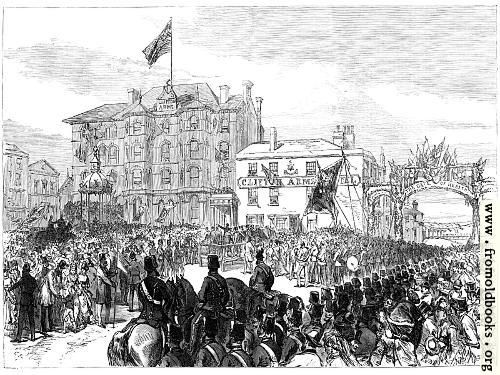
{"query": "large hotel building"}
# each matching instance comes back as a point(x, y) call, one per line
point(170, 153)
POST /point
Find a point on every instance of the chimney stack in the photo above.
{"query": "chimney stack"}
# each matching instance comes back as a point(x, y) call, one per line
point(224, 94)
point(247, 90)
point(133, 96)
point(273, 139)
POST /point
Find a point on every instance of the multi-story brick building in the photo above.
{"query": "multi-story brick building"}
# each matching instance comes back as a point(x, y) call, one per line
point(15, 190)
point(170, 153)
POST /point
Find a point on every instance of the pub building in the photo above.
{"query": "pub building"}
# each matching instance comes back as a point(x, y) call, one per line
point(280, 201)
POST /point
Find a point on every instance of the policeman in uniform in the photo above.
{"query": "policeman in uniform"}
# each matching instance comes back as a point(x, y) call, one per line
point(262, 278)
point(211, 352)
point(237, 357)
point(154, 296)
point(176, 357)
point(213, 297)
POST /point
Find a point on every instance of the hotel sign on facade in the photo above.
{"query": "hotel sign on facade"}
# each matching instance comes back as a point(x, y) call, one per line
point(289, 181)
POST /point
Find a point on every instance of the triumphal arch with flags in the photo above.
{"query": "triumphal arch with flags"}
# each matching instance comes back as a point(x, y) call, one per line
point(429, 168)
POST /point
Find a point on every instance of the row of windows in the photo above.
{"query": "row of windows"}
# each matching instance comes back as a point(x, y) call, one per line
point(194, 151)
point(43, 187)
point(253, 197)
point(193, 123)
point(273, 168)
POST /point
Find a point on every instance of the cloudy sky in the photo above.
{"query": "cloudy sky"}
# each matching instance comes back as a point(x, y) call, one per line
point(397, 73)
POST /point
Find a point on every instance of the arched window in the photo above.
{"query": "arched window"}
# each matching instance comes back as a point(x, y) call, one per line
point(214, 124)
point(194, 123)
point(194, 209)
point(137, 177)
point(194, 177)
point(113, 154)
point(102, 153)
point(137, 151)
point(166, 177)
point(113, 132)
point(165, 152)
point(44, 186)
point(224, 150)
point(194, 149)
point(36, 185)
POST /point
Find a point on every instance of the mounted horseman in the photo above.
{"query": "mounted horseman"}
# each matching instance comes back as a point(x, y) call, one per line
point(142, 341)
point(213, 299)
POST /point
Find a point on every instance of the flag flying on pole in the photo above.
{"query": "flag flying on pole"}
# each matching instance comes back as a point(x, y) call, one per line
point(322, 197)
point(269, 175)
point(160, 46)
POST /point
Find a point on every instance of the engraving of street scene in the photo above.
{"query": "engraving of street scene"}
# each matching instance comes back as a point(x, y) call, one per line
point(245, 186)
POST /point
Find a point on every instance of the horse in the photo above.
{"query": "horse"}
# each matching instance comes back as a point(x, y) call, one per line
point(141, 343)
point(186, 301)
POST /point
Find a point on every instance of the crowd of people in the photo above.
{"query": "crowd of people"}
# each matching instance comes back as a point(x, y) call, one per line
point(374, 301)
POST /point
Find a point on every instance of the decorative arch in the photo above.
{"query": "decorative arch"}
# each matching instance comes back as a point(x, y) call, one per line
point(194, 122)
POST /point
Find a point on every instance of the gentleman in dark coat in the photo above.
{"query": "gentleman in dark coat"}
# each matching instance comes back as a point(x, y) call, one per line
point(213, 298)
point(27, 285)
point(262, 278)
point(176, 357)
point(134, 279)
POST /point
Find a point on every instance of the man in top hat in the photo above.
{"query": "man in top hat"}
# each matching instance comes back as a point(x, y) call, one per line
point(262, 278)
point(267, 353)
point(48, 293)
point(154, 296)
point(134, 270)
point(237, 357)
point(314, 313)
point(467, 332)
point(27, 286)
point(211, 352)
point(176, 357)
point(213, 298)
